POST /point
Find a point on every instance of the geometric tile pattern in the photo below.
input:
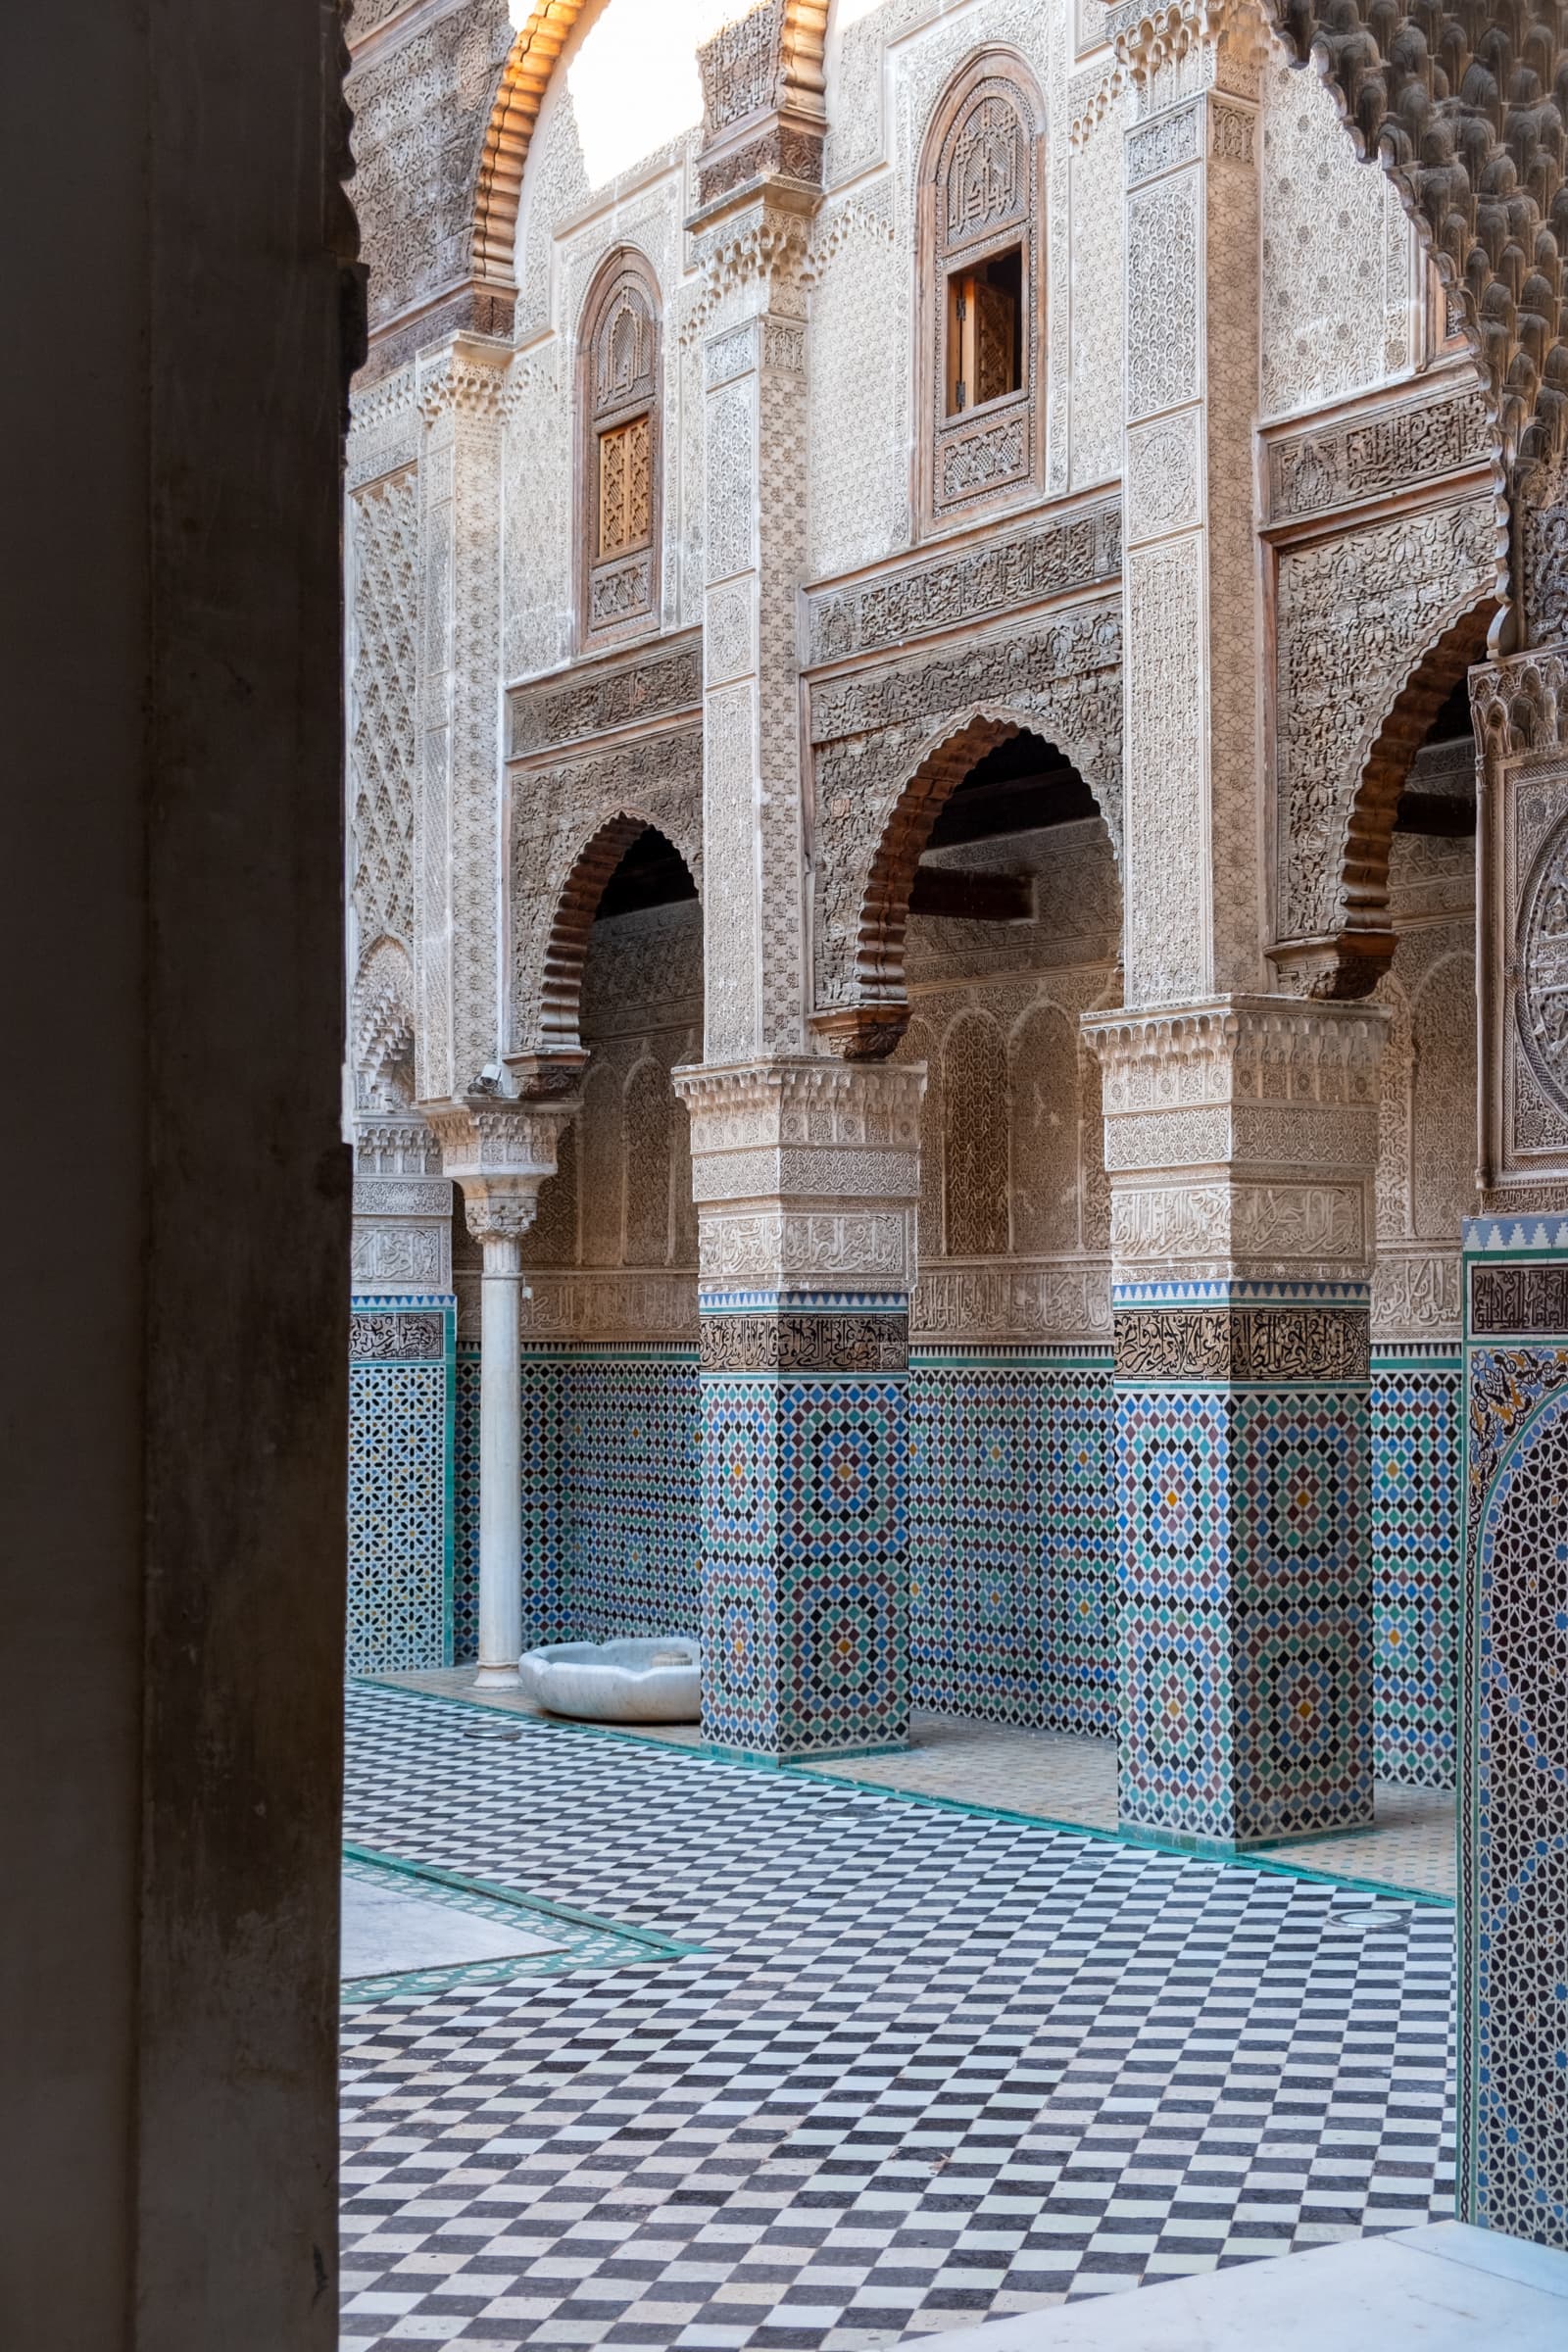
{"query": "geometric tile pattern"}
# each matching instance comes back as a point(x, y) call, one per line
point(1244, 1630)
point(1013, 1538)
point(1415, 1409)
point(610, 1495)
point(925, 2067)
point(400, 1486)
point(805, 1561)
point(631, 1429)
point(1513, 1799)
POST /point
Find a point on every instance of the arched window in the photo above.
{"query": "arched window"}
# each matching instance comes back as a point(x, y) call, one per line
point(618, 444)
point(980, 308)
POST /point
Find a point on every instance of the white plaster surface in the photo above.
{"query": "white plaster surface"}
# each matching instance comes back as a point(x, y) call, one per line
point(387, 1932)
point(1446, 2288)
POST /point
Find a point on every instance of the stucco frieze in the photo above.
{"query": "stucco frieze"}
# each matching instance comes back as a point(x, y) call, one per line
point(1006, 571)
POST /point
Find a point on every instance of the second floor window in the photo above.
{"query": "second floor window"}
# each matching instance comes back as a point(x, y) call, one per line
point(982, 313)
point(619, 396)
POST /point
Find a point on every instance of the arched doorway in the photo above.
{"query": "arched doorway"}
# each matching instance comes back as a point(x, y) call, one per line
point(610, 1400)
point(1010, 930)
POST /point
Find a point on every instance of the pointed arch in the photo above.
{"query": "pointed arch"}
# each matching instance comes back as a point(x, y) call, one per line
point(567, 944)
point(381, 1027)
point(869, 1027)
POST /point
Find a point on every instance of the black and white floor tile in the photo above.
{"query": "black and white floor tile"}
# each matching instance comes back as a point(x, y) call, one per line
point(926, 2068)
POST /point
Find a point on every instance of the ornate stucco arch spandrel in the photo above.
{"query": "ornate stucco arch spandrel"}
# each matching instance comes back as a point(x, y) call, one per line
point(1350, 961)
point(549, 1019)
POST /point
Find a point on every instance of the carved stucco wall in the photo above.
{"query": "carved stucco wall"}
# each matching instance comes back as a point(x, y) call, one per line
point(1014, 1216)
point(421, 105)
point(572, 213)
point(870, 731)
point(1340, 269)
point(1427, 1110)
point(1354, 616)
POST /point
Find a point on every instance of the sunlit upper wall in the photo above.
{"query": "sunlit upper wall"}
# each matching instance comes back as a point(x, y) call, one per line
point(630, 76)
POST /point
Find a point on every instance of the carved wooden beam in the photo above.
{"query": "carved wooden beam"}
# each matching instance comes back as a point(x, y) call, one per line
point(952, 895)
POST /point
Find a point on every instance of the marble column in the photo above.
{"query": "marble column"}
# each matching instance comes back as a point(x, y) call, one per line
point(1241, 1137)
point(500, 1152)
point(805, 1174)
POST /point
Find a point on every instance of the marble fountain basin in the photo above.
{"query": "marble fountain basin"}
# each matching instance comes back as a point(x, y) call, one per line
point(616, 1682)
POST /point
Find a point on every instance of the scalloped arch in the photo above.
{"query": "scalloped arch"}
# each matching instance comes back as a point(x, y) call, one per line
point(524, 79)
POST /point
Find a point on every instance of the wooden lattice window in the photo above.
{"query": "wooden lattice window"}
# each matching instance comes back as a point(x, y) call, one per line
point(618, 373)
point(982, 312)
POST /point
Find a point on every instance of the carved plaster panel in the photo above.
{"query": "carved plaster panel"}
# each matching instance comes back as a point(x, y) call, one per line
point(1341, 262)
point(557, 810)
point(383, 696)
point(1006, 571)
point(1521, 715)
point(1376, 453)
point(1354, 615)
point(623, 690)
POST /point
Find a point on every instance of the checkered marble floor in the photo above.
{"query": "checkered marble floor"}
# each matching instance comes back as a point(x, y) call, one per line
point(1061, 1777)
point(927, 2066)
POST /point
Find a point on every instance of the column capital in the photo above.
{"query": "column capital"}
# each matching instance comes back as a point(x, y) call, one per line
point(500, 1152)
point(805, 1173)
point(1241, 1139)
point(469, 375)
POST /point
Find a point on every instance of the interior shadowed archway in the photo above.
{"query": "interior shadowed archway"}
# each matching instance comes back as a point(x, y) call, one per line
point(646, 868)
point(872, 1026)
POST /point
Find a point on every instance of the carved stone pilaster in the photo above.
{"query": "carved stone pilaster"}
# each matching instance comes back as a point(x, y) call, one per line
point(807, 1175)
point(751, 253)
point(1241, 1138)
point(1193, 875)
point(1520, 709)
point(461, 394)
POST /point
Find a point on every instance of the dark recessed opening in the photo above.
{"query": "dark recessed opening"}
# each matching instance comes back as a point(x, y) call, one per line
point(651, 873)
point(1439, 799)
point(1025, 783)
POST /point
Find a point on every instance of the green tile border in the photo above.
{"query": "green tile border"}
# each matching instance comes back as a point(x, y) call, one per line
point(1143, 1840)
point(587, 1942)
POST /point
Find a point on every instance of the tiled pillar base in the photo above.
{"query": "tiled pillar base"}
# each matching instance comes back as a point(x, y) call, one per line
point(805, 1173)
point(1241, 1137)
point(1513, 1732)
point(1245, 1633)
point(805, 1559)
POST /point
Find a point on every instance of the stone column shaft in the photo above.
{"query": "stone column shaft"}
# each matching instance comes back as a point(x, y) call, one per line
point(462, 392)
point(805, 1174)
point(1191, 648)
point(500, 1152)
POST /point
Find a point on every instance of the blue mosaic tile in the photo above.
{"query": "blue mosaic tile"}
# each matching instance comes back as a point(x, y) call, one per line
point(1416, 1411)
point(400, 1533)
point(806, 1563)
point(1514, 1742)
point(1245, 1612)
point(1011, 1540)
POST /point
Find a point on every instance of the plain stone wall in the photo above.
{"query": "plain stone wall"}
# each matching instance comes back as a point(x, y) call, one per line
point(172, 1425)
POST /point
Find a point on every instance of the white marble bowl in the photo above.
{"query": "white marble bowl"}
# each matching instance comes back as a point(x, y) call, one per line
point(616, 1682)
